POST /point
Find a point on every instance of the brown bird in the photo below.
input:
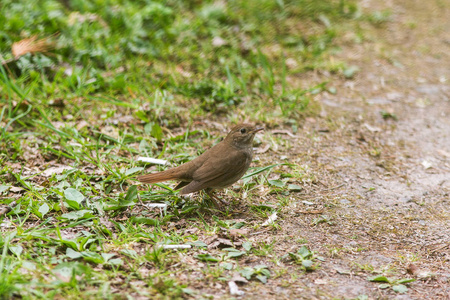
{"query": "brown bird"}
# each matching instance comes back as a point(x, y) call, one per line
point(217, 168)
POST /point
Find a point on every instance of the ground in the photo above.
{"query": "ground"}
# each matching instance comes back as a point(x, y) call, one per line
point(380, 154)
point(369, 183)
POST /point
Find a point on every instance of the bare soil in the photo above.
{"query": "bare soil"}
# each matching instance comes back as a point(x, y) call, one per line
point(380, 153)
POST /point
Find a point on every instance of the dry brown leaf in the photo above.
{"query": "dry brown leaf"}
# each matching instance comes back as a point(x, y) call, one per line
point(55, 170)
point(238, 278)
point(220, 243)
point(237, 232)
point(16, 189)
point(82, 124)
point(211, 239)
point(32, 45)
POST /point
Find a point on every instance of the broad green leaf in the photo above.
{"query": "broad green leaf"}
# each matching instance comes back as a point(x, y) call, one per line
point(247, 272)
point(64, 274)
point(247, 246)
point(400, 288)
point(75, 215)
point(277, 183)
point(131, 193)
point(189, 291)
point(92, 257)
point(17, 250)
point(157, 132)
point(188, 210)
point(73, 204)
point(73, 195)
point(129, 252)
point(206, 257)
point(262, 278)
point(230, 249)
point(69, 243)
point(295, 256)
point(308, 264)
point(350, 71)
point(133, 170)
point(198, 244)
point(258, 267)
point(226, 265)
point(154, 130)
point(384, 286)
point(107, 256)
point(143, 220)
point(29, 265)
point(265, 272)
point(116, 261)
point(73, 254)
point(43, 209)
point(304, 252)
point(142, 115)
point(238, 225)
point(294, 187)
point(405, 280)
point(232, 254)
point(4, 188)
point(379, 278)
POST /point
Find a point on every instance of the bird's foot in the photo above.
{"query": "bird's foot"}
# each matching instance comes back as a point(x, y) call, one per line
point(215, 199)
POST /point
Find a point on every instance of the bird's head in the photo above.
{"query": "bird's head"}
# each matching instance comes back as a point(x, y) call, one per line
point(241, 136)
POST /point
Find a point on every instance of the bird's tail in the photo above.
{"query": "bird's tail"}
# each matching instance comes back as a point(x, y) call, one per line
point(159, 177)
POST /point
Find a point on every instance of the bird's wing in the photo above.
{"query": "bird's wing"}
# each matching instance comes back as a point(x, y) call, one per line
point(218, 172)
point(193, 186)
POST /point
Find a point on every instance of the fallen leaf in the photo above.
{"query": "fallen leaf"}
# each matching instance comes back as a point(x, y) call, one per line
point(16, 189)
point(55, 170)
point(238, 232)
point(320, 281)
point(238, 278)
point(412, 269)
point(220, 243)
point(82, 124)
point(270, 220)
point(211, 239)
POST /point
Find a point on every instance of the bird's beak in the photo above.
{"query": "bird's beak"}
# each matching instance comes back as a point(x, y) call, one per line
point(259, 128)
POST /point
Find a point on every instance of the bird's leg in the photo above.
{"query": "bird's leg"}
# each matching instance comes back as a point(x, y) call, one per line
point(209, 192)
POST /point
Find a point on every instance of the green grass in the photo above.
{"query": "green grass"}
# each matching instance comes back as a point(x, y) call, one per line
point(129, 79)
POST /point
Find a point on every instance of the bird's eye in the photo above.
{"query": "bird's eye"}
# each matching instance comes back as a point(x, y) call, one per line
point(243, 130)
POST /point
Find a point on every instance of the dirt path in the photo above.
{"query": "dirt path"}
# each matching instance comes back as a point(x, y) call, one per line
point(381, 153)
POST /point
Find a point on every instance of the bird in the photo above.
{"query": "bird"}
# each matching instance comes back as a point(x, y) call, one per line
point(217, 168)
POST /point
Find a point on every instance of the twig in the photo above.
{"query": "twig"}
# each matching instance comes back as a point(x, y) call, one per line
point(283, 132)
point(333, 188)
point(258, 232)
point(313, 212)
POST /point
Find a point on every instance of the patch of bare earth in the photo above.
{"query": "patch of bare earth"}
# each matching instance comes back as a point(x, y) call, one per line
point(381, 153)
